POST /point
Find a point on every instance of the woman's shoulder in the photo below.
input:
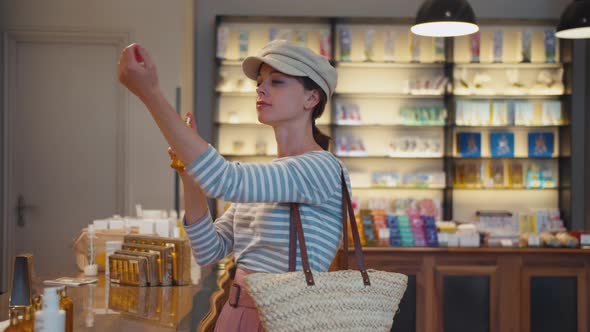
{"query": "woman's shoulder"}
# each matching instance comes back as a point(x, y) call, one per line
point(325, 158)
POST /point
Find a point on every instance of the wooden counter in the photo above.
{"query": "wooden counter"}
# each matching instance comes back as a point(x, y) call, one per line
point(489, 289)
point(124, 308)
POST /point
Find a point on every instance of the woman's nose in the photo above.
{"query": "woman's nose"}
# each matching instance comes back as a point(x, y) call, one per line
point(260, 90)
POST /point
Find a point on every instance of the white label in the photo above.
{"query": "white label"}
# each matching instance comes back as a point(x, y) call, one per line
point(506, 243)
point(585, 239)
point(534, 241)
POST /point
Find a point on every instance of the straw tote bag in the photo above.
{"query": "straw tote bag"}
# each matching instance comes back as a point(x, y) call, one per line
point(348, 300)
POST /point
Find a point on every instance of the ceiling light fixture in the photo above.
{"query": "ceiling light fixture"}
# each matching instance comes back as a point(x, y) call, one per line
point(445, 18)
point(575, 21)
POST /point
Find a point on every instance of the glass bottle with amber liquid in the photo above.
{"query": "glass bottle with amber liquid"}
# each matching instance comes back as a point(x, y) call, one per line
point(28, 322)
point(176, 163)
point(66, 304)
point(13, 321)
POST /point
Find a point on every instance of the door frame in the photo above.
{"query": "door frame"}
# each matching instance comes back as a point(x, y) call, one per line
point(11, 37)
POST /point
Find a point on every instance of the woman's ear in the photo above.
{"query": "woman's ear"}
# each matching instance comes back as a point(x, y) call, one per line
point(312, 98)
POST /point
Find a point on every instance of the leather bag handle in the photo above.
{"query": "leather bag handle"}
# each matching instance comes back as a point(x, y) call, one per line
point(296, 235)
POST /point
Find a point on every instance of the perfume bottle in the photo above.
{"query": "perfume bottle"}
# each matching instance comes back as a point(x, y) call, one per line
point(66, 304)
point(28, 322)
point(13, 321)
point(176, 163)
point(50, 318)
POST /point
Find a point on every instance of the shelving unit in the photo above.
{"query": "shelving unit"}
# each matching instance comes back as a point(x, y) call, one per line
point(404, 74)
point(514, 83)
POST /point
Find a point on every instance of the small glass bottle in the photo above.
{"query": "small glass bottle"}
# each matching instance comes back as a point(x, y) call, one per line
point(38, 302)
point(91, 269)
point(14, 322)
point(67, 305)
point(50, 318)
point(176, 163)
point(28, 322)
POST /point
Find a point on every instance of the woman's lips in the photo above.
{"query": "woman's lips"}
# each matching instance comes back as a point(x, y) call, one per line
point(261, 104)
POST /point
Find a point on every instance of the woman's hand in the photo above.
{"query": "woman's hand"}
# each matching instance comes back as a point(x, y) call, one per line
point(137, 72)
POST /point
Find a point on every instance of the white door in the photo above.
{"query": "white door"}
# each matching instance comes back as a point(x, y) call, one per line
point(65, 123)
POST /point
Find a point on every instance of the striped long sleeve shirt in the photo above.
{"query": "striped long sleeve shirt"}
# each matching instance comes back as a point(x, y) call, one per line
point(256, 225)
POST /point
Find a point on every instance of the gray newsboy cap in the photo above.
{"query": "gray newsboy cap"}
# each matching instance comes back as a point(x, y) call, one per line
point(293, 60)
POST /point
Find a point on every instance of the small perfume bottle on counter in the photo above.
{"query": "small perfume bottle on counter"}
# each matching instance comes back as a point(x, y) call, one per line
point(66, 304)
point(28, 322)
point(13, 321)
point(50, 318)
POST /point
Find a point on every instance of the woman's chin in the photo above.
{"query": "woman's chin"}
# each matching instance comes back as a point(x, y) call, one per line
point(264, 120)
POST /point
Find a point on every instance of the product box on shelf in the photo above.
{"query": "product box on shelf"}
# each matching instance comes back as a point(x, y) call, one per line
point(469, 144)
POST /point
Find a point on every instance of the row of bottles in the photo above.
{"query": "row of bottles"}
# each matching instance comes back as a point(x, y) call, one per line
point(51, 312)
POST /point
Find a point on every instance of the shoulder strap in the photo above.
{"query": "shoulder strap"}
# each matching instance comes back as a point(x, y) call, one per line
point(296, 234)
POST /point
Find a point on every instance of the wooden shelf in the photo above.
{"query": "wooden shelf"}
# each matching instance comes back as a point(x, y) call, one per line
point(392, 65)
point(509, 126)
point(398, 188)
point(383, 95)
point(386, 126)
point(509, 189)
point(509, 97)
point(478, 250)
point(504, 65)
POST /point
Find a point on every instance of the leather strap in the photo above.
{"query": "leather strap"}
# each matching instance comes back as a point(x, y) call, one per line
point(296, 233)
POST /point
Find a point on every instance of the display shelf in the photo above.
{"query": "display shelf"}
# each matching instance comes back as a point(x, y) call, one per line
point(352, 94)
point(389, 157)
point(396, 188)
point(504, 65)
point(509, 126)
point(505, 158)
point(385, 125)
point(391, 65)
point(399, 63)
point(257, 125)
point(249, 155)
point(509, 97)
point(235, 94)
point(507, 188)
point(231, 63)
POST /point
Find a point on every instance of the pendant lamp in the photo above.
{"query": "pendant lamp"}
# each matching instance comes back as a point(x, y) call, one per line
point(575, 21)
point(445, 18)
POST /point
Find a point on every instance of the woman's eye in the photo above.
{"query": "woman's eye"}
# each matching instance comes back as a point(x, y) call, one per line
point(276, 82)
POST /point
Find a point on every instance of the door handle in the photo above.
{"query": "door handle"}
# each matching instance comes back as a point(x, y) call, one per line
point(21, 206)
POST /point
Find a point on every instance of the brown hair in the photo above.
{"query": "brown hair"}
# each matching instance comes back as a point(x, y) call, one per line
point(322, 139)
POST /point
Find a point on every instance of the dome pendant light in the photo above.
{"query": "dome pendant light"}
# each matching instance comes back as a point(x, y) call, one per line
point(445, 18)
point(575, 21)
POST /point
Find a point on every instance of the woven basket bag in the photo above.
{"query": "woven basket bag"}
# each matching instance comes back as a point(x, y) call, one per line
point(348, 300)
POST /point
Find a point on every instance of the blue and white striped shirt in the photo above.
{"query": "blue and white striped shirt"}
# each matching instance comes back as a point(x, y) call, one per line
point(256, 225)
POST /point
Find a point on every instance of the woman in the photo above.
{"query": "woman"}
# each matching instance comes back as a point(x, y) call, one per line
point(293, 86)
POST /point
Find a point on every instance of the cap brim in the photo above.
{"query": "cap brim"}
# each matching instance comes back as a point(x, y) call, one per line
point(251, 66)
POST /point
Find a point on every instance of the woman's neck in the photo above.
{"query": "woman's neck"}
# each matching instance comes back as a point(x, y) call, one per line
point(294, 140)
